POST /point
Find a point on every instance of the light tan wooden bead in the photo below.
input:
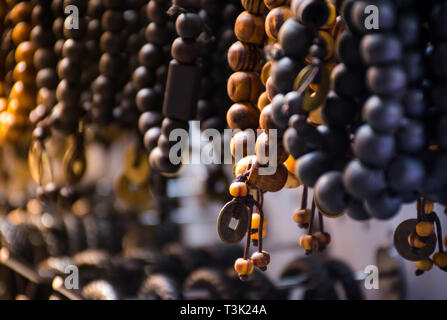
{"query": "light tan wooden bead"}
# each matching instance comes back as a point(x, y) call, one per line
point(275, 20)
point(254, 6)
point(249, 28)
point(244, 86)
point(268, 182)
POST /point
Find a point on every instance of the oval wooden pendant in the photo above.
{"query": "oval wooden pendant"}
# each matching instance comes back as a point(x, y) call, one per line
point(232, 222)
point(403, 247)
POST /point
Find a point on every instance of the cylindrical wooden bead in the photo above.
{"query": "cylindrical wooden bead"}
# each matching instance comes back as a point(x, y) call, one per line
point(182, 90)
point(244, 87)
point(249, 28)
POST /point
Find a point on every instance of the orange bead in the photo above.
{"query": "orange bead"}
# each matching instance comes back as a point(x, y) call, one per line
point(21, 12)
point(301, 216)
point(425, 229)
point(243, 116)
point(261, 259)
point(21, 32)
point(244, 266)
point(424, 265)
point(415, 241)
point(24, 72)
point(238, 189)
point(308, 242)
point(244, 57)
point(266, 71)
point(25, 52)
point(440, 259)
point(323, 238)
point(255, 223)
point(263, 101)
point(244, 86)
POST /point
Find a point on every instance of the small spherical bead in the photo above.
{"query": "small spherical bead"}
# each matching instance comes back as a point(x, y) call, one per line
point(244, 57)
point(241, 144)
point(249, 28)
point(243, 266)
point(440, 259)
point(244, 87)
point(254, 6)
point(308, 242)
point(415, 241)
point(301, 216)
point(424, 265)
point(238, 189)
point(25, 52)
point(260, 259)
point(275, 20)
point(312, 13)
point(184, 50)
point(243, 116)
point(323, 238)
point(425, 229)
point(21, 32)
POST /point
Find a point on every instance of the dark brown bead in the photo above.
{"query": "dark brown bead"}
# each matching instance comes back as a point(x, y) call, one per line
point(243, 116)
point(47, 78)
point(165, 144)
point(159, 162)
point(185, 50)
point(113, 4)
point(40, 16)
point(58, 45)
point(150, 56)
point(46, 97)
point(170, 124)
point(311, 13)
point(148, 120)
point(187, 4)
point(110, 65)
point(157, 34)
point(103, 85)
point(188, 25)
point(148, 99)
point(94, 30)
point(75, 33)
point(111, 42)
point(58, 27)
point(41, 37)
point(254, 6)
point(73, 49)
point(156, 11)
point(67, 93)
point(249, 28)
point(112, 21)
point(182, 91)
point(80, 4)
point(150, 138)
point(142, 77)
point(244, 57)
point(69, 70)
point(95, 8)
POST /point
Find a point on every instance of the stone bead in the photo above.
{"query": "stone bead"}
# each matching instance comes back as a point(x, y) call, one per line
point(249, 28)
point(244, 86)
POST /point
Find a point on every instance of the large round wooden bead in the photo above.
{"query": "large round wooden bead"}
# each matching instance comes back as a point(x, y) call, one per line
point(244, 87)
point(243, 116)
point(188, 25)
point(275, 20)
point(21, 12)
point(21, 32)
point(249, 28)
point(268, 181)
point(271, 4)
point(254, 6)
point(244, 57)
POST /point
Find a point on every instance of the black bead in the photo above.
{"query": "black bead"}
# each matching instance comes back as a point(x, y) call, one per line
point(361, 181)
point(295, 39)
point(383, 206)
point(311, 166)
point(405, 173)
point(330, 193)
point(382, 114)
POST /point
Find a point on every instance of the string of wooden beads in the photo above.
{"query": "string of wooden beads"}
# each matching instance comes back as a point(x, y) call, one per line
point(14, 121)
point(182, 84)
point(149, 80)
